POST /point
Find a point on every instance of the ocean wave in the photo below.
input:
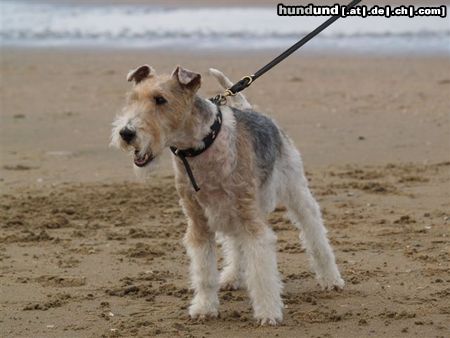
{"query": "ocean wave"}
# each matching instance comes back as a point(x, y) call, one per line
point(31, 23)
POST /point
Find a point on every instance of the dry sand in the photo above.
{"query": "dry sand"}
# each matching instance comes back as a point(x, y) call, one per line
point(88, 251)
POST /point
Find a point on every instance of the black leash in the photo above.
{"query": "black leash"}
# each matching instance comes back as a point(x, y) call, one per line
point(249, 79)
point(240, 86)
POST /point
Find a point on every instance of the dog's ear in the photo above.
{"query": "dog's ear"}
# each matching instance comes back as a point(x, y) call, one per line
point(140, 73)
point(187, 78)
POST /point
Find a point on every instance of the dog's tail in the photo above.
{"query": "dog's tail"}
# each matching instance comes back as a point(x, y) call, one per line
point(238, 101)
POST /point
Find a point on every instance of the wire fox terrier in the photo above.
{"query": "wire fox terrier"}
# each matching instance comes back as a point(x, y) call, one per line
point(251, 167)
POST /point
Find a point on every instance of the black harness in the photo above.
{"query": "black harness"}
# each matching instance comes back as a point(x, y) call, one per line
point(208, 140)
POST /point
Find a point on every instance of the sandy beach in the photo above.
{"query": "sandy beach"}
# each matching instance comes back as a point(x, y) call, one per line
point(87, 250)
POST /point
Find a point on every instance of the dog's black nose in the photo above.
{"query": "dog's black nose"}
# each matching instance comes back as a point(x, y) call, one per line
point(127, 134)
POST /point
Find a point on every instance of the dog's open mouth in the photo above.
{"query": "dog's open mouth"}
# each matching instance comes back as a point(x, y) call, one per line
point(142, 160)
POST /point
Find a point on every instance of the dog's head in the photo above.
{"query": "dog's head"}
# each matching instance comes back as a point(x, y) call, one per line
point(157, 113)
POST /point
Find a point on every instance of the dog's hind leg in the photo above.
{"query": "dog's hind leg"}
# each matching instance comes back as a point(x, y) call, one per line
point(261, 273)
point(231, 275)
point(238, 101)
point(305, 213)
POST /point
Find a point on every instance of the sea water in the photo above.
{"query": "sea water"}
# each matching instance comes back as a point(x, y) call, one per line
point(35, 23)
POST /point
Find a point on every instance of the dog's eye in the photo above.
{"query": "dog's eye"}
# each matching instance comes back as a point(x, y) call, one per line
point(159, 100)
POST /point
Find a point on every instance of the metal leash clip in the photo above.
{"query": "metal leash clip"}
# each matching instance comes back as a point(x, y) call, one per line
point(219, 99)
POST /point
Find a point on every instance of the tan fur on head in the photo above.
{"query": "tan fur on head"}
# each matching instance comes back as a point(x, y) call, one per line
point(159, 109)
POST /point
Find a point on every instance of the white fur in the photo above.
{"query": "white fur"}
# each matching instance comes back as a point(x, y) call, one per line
point(306, 216)
point(204, 279)
point(262, 277)
point(231, 277)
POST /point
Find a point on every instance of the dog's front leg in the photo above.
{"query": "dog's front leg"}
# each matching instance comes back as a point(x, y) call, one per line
point(204, 275)
point(200, 246)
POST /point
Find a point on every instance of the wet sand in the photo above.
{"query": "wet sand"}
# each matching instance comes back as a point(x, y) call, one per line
point(87, 250)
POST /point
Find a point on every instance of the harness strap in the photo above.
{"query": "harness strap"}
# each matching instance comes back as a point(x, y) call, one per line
point(208, 140)
point(188, 171)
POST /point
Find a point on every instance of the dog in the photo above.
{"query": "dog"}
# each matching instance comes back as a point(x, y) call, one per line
point(248, 168)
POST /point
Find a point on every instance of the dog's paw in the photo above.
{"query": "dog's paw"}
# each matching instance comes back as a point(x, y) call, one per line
point(271, 318)
point(202, 309)
point(268, 320)
point(230, 286)
point(202, 315)
point(229, 282)
point(331, 283)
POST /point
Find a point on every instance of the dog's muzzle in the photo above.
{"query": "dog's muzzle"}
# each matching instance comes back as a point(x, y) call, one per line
point(142, 160)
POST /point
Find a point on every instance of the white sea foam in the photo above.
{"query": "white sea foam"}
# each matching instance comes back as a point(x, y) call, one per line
point(25, 23)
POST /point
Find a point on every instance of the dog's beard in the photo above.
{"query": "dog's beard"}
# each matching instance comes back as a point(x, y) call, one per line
point(138, 148)
point(143, 173)
point(141, 148)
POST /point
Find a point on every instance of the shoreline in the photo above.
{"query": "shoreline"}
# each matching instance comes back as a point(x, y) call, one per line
point(174, 51)
point(205, 30)
point(237, 3)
